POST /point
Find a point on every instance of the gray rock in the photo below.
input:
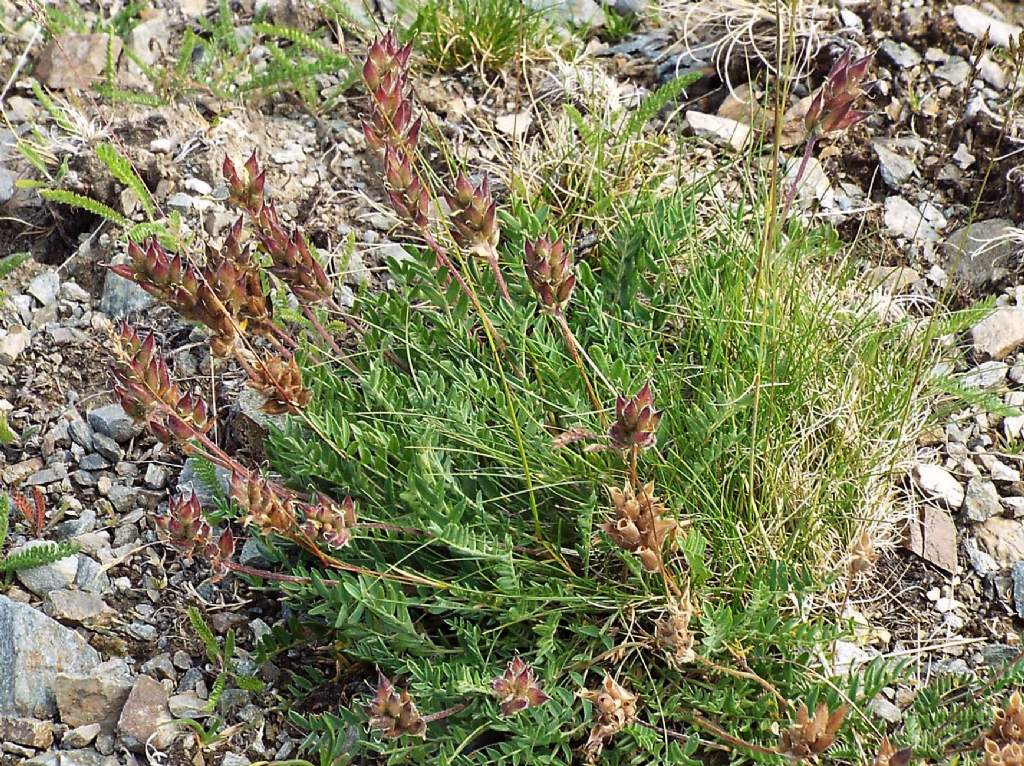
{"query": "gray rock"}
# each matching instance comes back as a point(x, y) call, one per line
point(29, 732)
point(975, 22)
point(7, 185)
point(81, 757)
point(75, 606)
point(74, 61)
point(51, 475)
point(122, 497)
point(93, 462)
point(900, 54)
point(86, 522)
point(122, 296)
point(107, 447)
point(999, 334)
point(981, 254)
point(97, 696)
point(53, 576)
point(112, 421)
point(886, 710)
point(81, 736)
point(1017, 575)
point(72, 291)
point(356, 272)
point(181, 202)
point(895, 168)
point(45, 287)
point(904, 219)
point(981, 500)
point(156, 476)
point(90, 576)
point(187, 705)
point(80, 433)
point(34, 649)
point(252, 556)
point(986, 375)
point(13, 342)
point(981, 562)
point(936, 483)
point(955, 71)
point(579, 13)
point(188, 481)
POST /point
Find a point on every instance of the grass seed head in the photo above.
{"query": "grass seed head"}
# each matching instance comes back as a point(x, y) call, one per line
point(394, 714)
point(517, 688)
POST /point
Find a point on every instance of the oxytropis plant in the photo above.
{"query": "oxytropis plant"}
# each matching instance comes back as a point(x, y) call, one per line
point(468, 499)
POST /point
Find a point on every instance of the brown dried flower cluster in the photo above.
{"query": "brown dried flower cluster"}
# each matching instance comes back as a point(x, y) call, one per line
point(394, 714)
point(639, 524)
point(280, 381)
point(672, 633)
point(291, 260)
point(614, 708)
point(1008, 722)
point(863, 556)
point(183, 287)
point(811, 736)
point(517, 688)
point(888, 755)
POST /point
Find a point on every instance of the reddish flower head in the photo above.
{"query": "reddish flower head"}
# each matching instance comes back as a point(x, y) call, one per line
point(636, 421)
point(517, 689)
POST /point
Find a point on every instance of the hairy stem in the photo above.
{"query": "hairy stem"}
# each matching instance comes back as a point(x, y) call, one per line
point(573, 347)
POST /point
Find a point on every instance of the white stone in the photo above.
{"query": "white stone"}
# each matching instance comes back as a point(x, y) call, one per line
point(999, 334)
point(722, 130)
point(976, 23)
point(936, 483)
point(904, 219)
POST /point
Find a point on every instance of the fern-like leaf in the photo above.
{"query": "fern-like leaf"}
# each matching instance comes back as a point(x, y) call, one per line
point(655, 102)
point(37, 556)
point(73, 199)
point(202, 630)
point(121, 168)
point(978, 398)
point(5, 516)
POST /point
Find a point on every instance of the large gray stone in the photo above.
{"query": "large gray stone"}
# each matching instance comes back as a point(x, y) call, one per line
point(33, 650)
point(188, 481)
point(53, 576)
point(981, 254)
point(122, 296)
point(111, 420)
point(97, 696)
point(44, 287)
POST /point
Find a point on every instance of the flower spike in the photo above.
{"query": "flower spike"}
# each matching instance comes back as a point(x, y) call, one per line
point(636, 421)
point(394, 714)
point(517, 688)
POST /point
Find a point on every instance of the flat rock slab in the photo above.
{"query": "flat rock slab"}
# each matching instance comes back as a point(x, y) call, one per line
point(999, 334)
point(146, 719)
point(74, 61)
point(33, 650)
point(932, 536)
point(94, 697)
